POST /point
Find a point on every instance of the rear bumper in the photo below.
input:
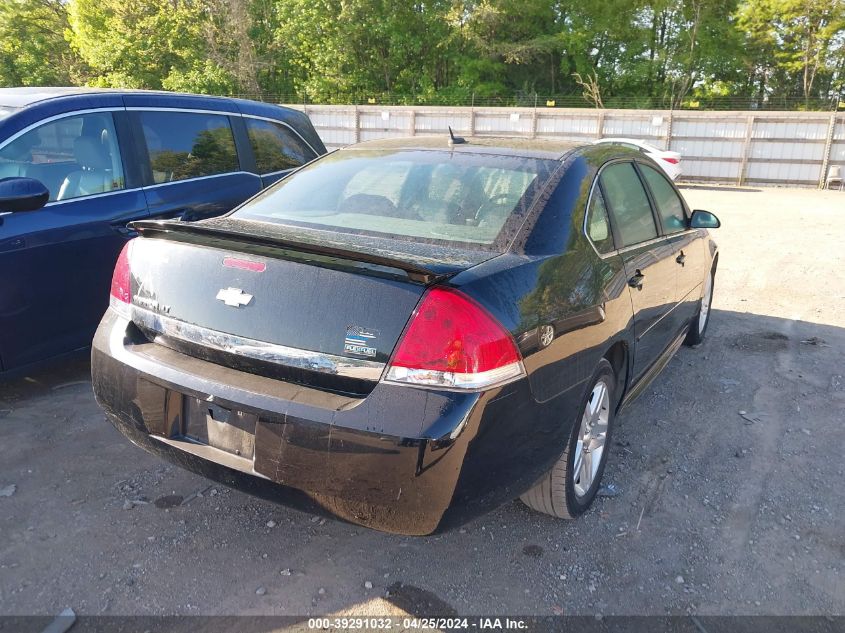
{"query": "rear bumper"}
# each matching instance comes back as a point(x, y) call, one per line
point(401, 460)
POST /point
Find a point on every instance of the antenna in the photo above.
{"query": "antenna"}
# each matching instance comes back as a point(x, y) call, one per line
point(455, 140)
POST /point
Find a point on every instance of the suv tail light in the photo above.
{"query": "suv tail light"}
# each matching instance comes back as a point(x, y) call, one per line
point(121, 291)
point(452, 342)
point(674, 161)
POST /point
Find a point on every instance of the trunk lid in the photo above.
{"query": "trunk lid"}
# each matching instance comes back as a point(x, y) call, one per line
point(302, 310)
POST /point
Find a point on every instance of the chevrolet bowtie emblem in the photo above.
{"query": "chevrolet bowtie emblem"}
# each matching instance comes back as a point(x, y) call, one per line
point(234, 297)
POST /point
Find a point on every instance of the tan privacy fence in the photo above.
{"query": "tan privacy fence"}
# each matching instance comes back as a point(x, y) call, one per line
point(775, 148)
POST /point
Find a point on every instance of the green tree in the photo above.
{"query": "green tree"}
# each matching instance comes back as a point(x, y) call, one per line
point(209, 46)
point(794, 43)
point(366, 46)
point(33, 49)
point(647, 53)
point(135, 43)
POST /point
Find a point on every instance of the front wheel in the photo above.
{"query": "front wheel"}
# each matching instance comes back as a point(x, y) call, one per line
point(570, 487)
point(698, 327)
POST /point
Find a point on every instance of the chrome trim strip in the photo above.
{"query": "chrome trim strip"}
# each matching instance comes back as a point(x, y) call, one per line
point(91, 196)
point(180, 109)
point(659, 238)
point(196, 178)
point(250, 348)
point(663, 316)
point(56, 117)
point(280, 171)
point(455, 381)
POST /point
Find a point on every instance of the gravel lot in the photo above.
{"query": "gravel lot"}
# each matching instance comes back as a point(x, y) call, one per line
point(729, 471)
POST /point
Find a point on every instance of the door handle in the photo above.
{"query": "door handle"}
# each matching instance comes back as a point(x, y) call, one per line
point(681, 258)
point(637, 280)
point(124, 230)
point(174, 214)
point(14, 244)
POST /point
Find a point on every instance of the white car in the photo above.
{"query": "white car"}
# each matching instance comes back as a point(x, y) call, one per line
point(669, 161)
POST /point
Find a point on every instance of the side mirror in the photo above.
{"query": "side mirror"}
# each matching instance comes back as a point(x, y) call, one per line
point(22, 194)
point(704, 220)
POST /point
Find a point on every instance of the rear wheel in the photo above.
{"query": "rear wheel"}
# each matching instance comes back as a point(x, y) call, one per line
point(570, 487)
point(546, 335)
point(698, 327)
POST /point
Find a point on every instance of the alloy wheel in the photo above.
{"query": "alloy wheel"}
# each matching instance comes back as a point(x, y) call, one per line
point(590, 445)
point(547, 335)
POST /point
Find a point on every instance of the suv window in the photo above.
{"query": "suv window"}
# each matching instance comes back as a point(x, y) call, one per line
point(188, 145)
point(73, 156)
point(669, 204)
point(628, 203)
point(276, 147)
point(598, 224)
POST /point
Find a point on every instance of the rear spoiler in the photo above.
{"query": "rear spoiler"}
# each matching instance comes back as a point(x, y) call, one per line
point(175, 230)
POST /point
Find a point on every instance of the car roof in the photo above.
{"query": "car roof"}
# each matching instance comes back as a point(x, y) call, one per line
point(504, 145)
point(56, 100)
point(632, 141)
point(22, 97)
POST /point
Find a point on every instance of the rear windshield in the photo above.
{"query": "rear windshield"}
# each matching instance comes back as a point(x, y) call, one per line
point(459, 199)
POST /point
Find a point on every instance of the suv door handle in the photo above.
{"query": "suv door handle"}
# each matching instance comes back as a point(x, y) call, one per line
point(14, 244)
point(637, 280)
point(681, 258)
point(171, 214)
point(124, 230)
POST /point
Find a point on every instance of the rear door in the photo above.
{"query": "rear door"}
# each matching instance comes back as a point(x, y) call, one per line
point(687, 245)
point(57, 262)
point(193, 169)
point(277, 148)
point(646, 256)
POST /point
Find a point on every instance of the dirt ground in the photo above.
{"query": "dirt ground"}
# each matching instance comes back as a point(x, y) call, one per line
point(728, 470)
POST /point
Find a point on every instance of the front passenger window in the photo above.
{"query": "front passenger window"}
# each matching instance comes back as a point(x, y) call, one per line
point(74, 156)
point(628, 203)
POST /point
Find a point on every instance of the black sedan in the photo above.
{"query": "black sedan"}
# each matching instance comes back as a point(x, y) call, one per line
point(408, 333)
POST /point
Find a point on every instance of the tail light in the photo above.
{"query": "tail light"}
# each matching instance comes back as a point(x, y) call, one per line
point(452, 342)
point(121, 291)
point(674, 161)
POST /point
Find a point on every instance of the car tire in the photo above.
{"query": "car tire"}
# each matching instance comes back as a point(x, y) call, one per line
point(698, 327)
point(564, 492)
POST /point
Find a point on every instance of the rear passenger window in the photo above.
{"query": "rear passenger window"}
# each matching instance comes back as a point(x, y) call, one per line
point(276, 147)
point(188, 145)
point(669, 205)
point(628, 203)
point(598, 224)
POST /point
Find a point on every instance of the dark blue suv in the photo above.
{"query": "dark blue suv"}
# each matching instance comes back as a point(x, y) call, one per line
point(104, 158)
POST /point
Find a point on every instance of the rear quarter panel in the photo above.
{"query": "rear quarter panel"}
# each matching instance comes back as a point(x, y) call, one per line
point(558, 279)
